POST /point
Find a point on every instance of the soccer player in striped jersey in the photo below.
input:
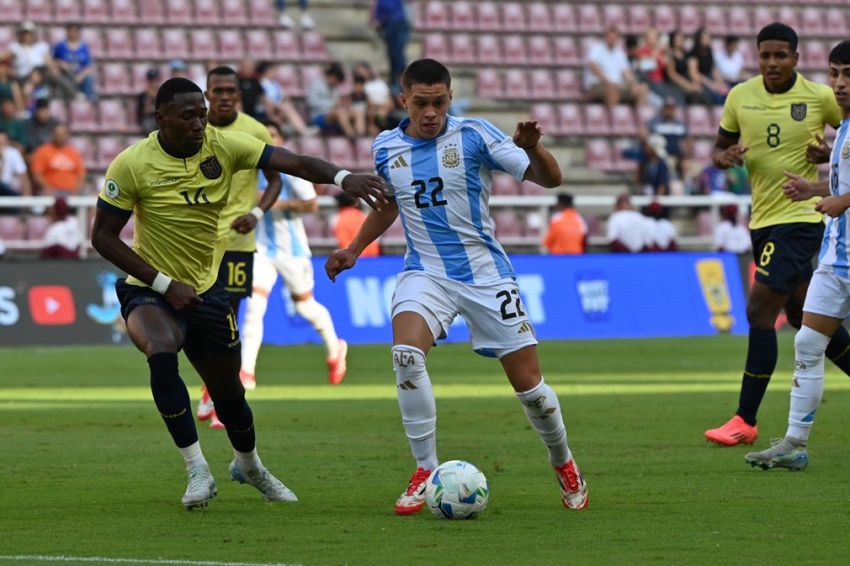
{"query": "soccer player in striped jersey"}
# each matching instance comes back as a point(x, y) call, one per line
point(177, 182)
point(282, 247)
point(438, 168)
point(828, 298)
point(773, 123)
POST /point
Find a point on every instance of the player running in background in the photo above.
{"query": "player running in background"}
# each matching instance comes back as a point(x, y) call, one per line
point(282, 248)
point(438, 168)
point(242, 213)
point(772, 123)
point(828, 298)
point(177, 181)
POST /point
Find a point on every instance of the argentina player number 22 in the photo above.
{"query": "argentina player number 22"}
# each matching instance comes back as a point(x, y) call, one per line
point(436, 186)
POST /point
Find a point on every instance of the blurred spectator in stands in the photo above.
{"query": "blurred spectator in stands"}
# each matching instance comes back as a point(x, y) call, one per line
point(251, 90)
point(63, 237)
point(731, 235)
point(675, 133)
point(279, 109)
point(286, 20)
point(713, 180)
point(35, 88)
point(379, 99)
point(14, 180)
point(2, 248)
point(29, 54)
point(567, 233)
point(146, 102)
point(328, 110)
point(729, 60)
point(678, 76)
point(57, 166)
point(9, 87)
point(608, 76)
point(38, 128)
point(702, 69)
point(663, 236)
point(650, 64)
point(347, 222)
point(74, 59)
point(392, 21)
point(11, 124)
point(653, 174)
point(628, 229)
point(178, 68)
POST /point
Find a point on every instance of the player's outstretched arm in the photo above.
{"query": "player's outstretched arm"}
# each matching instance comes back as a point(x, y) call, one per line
point(376, 223)
point(728, 151)
point(248, 222)
point(106, 240)
point(368, 187)
point(543, 169)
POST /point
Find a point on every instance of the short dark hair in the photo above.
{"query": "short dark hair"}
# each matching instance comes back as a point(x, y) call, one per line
point(565, 200)
point(779, 32)
point(261, 67)
point(172, 87)
point(335, 70)
point(222, 71)
point(426, 72)
point(275, 125)
point(730, 39)
point(840, 54)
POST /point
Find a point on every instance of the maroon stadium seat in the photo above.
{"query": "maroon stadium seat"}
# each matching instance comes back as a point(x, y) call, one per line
point(7, 36)
point(83, 117)
point(614, 15)
point(504, 185)
point(341, 152)
point(148, 43)
point(539, 18)
point(12, 10)
point(564, 18)
point(814, 55)
point(96, 11)
point(566, 50)
point(513, 17)
point(702, 151)
point(488, 83)
point(119, 45)
point(836, 22)
point(290, 82)
point(152, 12)
point(86, 149)
point(108, 147)
point(530, 189)
point(513, 50)
point(115, 79)
point(621, 163)
point(12, 228)
point(67, 11)
point(234, 12)
point(589, 20)
point(363, 154)
point(435, 46)
point(259, 44)
point(55, 34)
point(37, 227)
point(462, 16)
point(507, 224)
point(286, 46)
point(124, 12)
point(230, 45)
point(314, 226)
point(539, 50)
point(715, 20)
point(812, 24)
point(314, 147)
point(436, 16)
point(598, 155)
point(489, 49)
point(175, 44)
point(567, 84)
point(665, 19)
point(262, 12)
point(570, 119)
point(623, 121)
point(58, 110)
point(488, 16)
point(639, 19)
point(596, 119)
point(462, 49)
point(179, 12)
point(313, 46)
point(309, 74)
point(113, 116)
point(740, 22)
point(762, 15)
point(700, 121)
point(38, 11)
point(138, 75)
point(207, 13)
point(542, 85)
point(94, 39)
point(516, 84)
point(689, 19)
point(788, 15)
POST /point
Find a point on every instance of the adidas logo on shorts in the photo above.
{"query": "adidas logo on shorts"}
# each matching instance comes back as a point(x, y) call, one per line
point(524, 327)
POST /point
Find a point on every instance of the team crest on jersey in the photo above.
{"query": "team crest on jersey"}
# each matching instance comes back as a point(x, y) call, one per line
point(798, 111)
point(111, 189)
point(211, 168)
point(845, 151)
point(451, 156)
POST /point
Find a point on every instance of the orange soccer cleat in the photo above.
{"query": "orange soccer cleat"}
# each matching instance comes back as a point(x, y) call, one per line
point(573, 486)
point(413, 498)
point(337, 364)
point(736, 431)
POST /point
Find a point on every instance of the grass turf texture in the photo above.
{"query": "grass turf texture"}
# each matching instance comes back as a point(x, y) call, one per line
point(87, 468)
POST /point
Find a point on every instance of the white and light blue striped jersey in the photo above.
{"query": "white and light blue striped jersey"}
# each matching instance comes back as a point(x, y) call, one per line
point(281, 232)
point(834, 248)
point(442, 187)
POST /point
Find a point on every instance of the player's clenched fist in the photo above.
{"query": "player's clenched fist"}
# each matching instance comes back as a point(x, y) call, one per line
point(731, 156)
point(182, 296)
point(339, 261)
point(368, 187)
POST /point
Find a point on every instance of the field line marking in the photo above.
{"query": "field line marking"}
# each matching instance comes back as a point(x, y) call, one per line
point(104, 560)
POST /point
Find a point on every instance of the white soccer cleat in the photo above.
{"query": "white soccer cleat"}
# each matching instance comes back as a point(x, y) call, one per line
point(271, 487)
point(201, 488)
point(573, 486)
point(206, 408)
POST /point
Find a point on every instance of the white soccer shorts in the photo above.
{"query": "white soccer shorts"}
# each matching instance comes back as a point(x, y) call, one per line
point(297, 273)
point(497, 320)
point(828, 295)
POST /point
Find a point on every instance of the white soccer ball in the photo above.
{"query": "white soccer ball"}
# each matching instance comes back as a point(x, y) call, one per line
point(456, 490)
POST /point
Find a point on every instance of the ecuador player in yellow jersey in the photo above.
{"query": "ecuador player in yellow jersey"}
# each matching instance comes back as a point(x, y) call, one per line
point(177, 182)
point(242, 212)
point(773, 124)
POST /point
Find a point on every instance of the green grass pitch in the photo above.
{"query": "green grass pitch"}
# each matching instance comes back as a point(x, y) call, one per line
point(87, 468)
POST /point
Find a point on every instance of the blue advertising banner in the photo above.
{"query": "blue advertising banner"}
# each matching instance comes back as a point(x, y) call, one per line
point(566, 297)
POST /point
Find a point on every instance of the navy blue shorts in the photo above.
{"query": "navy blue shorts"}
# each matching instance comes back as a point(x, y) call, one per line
point(236, 274)
point(210, 329)
point(785, 253)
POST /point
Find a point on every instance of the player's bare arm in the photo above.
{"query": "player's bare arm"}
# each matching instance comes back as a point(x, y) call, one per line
point(107, 241)
point(728, 151)
point(300, 206)
point(376, 223)
point(543, 169)
point(368, 187)
point(797, 188)
point(834, 206)
point(247, 222)
point(818, 152)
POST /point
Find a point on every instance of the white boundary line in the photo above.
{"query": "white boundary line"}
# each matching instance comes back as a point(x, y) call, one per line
point(104, 560)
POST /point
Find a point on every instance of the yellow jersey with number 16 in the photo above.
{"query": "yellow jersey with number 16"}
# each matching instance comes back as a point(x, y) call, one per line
point(178, 202)
point(777, 128)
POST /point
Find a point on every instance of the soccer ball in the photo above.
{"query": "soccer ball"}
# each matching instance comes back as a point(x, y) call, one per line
point(456, 490)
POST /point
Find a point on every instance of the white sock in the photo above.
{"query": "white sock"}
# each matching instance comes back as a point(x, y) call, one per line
point(417, 404)
point(316, 314)
point(544, 413)
point(248, 461)
point(252, 331)
point(807, 389)
point(193, 456)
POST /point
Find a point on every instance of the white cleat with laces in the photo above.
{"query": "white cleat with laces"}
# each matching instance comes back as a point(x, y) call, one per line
point(201, 488)
point(272, 488)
